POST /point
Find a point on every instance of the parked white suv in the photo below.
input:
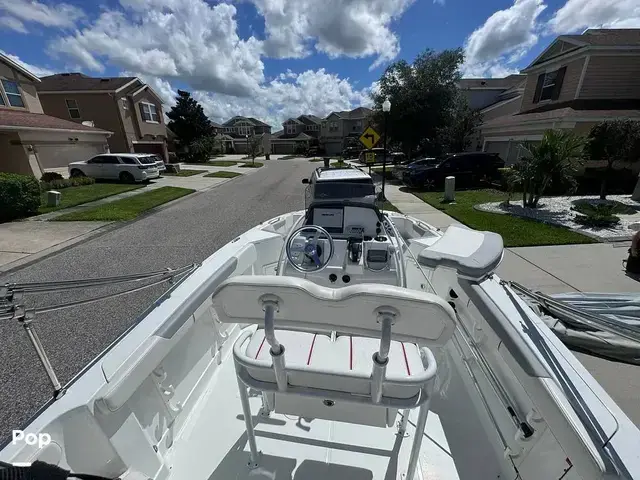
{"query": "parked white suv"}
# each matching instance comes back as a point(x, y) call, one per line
point(126, 167)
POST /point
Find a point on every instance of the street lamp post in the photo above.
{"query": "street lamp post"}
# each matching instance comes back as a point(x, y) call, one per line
point(386, 107)
point(247, 137)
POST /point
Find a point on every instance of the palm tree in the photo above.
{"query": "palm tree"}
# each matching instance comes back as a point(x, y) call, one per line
point(553, 160)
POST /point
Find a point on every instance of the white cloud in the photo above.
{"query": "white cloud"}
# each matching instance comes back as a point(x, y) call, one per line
point(62, 15)
point(191, 41)
point(504, 38)
point(36, 70)
point(357, 28)
point(312, 92)
point(12, 23)
point(577, 15)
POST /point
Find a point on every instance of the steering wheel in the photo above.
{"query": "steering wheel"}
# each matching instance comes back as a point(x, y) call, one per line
point(304, 254)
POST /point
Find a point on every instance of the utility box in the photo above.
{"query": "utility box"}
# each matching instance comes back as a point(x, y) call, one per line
point(173, 168)
point(449, 189)
point(53, 198)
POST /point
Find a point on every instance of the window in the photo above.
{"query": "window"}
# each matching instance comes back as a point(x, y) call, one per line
point(12, 91)
point(333, 126)
point(72, 107)
point(149, 112)
point(110, 160)
point(291, 129)
point(358, 125)
point(125, 103)
point(128, 160)
point(549, 85)
point(95, 160)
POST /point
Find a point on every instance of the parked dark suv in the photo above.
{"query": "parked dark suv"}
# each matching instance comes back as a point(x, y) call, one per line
point(468, 168)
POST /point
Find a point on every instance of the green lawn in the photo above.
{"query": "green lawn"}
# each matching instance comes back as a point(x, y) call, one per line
point(216, 163)
point(388, 171)
point(317, 159)
point(223, 174)
point(390, 207)
point(183, 173)
point(127, 208)
point(516, 232)
point(73, 196)
point(338, 164)
point(251, 165)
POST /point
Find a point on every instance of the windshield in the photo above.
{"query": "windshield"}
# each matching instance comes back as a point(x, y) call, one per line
point(352, 190)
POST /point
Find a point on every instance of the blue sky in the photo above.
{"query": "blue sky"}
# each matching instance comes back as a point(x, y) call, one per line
point(277, 58)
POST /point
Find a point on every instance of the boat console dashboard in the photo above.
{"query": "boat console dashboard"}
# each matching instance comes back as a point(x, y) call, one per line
point(351, 245)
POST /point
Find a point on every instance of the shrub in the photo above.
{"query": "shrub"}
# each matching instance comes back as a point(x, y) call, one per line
point(50, 176)
point(599, 214)
point(19, 196)
point(66, 183)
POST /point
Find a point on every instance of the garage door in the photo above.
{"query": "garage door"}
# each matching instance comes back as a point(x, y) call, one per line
point(282, 148)
point(155, 148)
point(55, 156)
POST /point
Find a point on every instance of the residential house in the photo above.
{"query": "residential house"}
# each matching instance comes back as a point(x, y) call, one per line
point(238, 130)
point(494, 97)
point(575, 83)
point(126, 106)
point(297, 134)
point(342, 129)
point(30, 141)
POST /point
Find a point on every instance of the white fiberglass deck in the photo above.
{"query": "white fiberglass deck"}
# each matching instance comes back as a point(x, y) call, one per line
point(213, 443)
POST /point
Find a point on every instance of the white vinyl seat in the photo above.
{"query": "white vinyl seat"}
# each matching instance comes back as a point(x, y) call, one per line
point(377, 363)
point(316, 353)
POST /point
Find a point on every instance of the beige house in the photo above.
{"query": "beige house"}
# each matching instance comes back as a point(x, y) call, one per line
point(342, 129)
point(238, 131)
point(297, 133)
point(125, 106)
point(31, 141)
point(577, 82)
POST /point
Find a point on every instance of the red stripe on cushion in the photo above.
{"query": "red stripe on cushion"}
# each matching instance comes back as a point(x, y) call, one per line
point(258, 353)
point(311, 349)
point(350, 353)
point(406, 361)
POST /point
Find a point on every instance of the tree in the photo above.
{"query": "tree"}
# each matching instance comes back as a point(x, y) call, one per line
point(614, 141)
point(553, 160)
point(421, 96)
point(254, 147)
point(455, 136)
point(188, 121)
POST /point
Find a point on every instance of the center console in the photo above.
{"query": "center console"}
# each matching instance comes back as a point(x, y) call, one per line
point(363, 251)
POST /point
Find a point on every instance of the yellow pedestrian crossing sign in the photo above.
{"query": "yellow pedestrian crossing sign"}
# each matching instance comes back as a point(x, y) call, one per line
point(369, 138)
point(369, 158)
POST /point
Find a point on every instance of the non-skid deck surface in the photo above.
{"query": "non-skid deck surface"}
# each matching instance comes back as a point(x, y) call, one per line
point(213, 445)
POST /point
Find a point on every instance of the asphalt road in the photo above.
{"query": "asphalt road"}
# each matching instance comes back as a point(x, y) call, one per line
point(181, 234)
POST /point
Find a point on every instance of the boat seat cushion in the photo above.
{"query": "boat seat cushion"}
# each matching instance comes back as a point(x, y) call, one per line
point(473, 254)
point(419, 317)
point(310, 356)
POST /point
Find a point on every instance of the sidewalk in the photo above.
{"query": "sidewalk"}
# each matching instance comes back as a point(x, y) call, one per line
point(22, 242)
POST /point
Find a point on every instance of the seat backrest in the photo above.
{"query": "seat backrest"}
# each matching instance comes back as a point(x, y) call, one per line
point(419, 317)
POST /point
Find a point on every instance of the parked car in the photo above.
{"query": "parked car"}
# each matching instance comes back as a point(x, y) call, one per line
point(160, 164)
point(126, 167)
point(469, 169)
point(351, 153)
point(421, 163)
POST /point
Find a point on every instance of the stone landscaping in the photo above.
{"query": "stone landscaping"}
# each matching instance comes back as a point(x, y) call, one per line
point(558, 211)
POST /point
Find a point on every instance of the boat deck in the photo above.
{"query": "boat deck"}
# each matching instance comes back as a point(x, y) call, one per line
point(213, 443)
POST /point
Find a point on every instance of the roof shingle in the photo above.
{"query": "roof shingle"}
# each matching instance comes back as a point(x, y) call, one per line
point(20, 118)
point(62, 82)
point(607, 37)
